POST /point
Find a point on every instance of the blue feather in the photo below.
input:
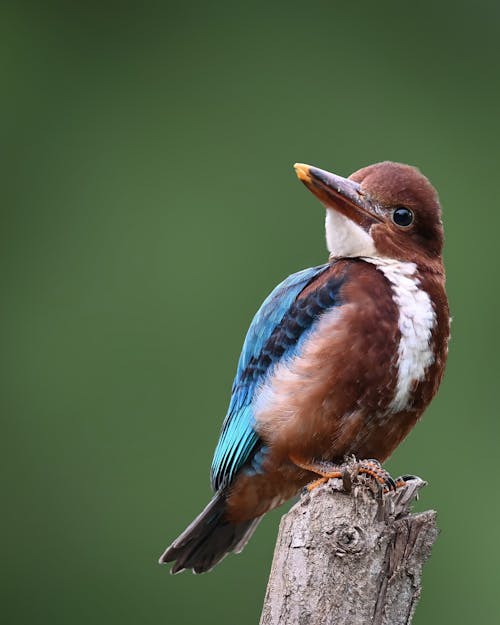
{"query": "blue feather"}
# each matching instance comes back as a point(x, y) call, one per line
point(277, 331)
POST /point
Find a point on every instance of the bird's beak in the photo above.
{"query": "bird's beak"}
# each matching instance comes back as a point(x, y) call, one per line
point(341, 194)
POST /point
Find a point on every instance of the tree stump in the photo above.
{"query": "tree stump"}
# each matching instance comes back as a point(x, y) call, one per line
point(349, 558)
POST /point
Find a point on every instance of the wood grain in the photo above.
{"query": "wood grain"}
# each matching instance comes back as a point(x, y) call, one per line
point(349, 559)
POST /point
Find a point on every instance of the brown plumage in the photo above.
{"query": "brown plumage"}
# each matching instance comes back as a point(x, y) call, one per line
point(371, 355)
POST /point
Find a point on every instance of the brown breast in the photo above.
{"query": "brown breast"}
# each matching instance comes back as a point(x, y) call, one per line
point(337, 397)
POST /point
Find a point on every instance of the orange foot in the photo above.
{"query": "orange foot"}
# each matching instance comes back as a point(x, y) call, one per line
point(371, 468)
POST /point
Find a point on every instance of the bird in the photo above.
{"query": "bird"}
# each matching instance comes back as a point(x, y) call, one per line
point(340, 360)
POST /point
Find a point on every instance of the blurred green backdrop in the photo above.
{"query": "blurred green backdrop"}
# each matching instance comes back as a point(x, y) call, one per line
point(149, 206)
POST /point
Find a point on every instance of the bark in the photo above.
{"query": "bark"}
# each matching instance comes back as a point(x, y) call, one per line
point(353, 559)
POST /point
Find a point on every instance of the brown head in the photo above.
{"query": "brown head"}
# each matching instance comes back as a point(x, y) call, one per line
point(387, 209)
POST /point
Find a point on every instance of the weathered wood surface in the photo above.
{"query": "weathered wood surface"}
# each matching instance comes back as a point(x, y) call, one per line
point(349, 559)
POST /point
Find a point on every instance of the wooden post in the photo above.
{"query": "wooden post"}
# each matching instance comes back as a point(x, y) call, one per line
point(349, 559)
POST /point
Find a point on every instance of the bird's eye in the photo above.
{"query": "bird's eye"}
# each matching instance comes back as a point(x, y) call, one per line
point(402, 216)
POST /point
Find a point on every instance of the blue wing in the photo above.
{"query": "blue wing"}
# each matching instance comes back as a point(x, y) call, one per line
point(268, 339)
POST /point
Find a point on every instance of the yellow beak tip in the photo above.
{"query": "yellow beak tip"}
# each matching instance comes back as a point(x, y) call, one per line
point(302, 171)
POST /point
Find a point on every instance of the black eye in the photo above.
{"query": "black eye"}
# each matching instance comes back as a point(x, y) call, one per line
point(402, 216)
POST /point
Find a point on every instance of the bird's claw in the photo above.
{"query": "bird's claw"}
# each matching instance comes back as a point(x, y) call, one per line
point(373, 470)
point(350, 471)
point(402, 480)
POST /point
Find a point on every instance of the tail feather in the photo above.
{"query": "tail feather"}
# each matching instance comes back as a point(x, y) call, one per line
point(208, 539)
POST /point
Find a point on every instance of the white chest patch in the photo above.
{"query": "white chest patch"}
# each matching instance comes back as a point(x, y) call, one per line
point(416, 322)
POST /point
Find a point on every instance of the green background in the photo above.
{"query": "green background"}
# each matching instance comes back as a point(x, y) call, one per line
point(149, 205)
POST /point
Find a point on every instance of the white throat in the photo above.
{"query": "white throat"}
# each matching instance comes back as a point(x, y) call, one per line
point(344, 238)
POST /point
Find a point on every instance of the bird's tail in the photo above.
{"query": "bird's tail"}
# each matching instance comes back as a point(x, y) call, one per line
point(208, 539)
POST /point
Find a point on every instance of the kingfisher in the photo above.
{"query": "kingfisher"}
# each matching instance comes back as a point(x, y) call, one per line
point(340, 360)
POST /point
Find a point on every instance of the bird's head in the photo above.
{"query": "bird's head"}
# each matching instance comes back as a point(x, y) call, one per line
point(385, 210)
